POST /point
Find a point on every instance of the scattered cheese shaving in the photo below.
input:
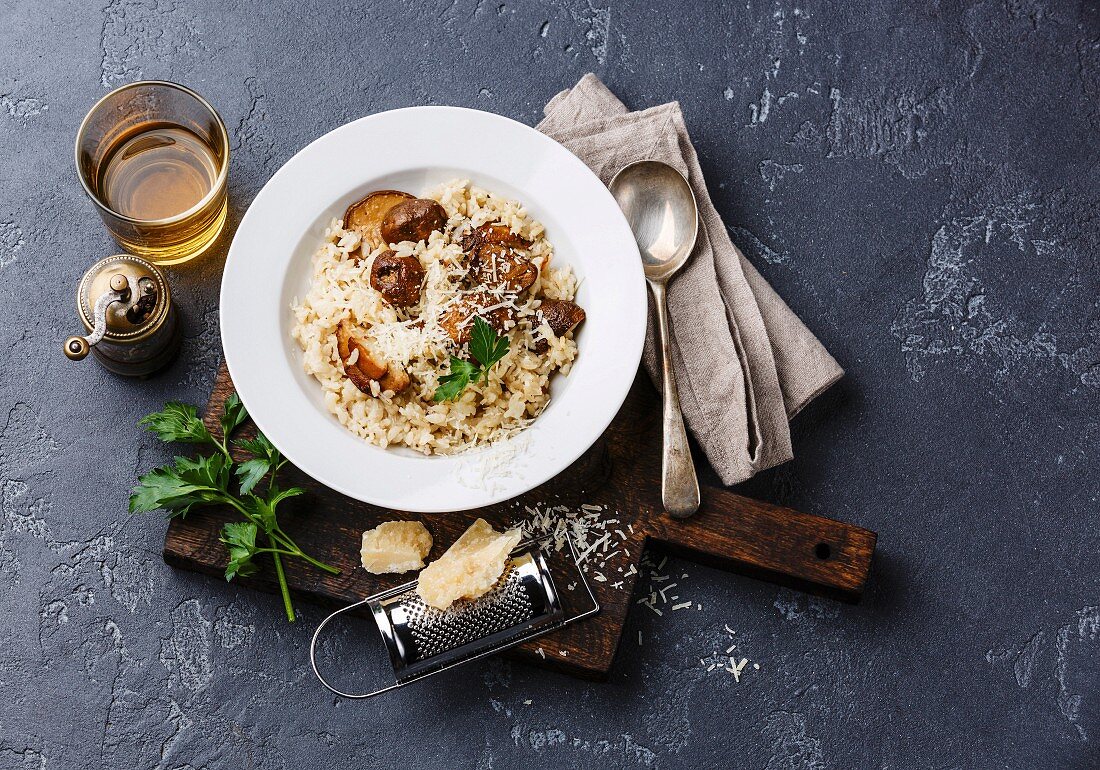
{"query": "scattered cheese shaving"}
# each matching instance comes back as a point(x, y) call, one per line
point(601, 541)
point(594, 530)
point(726, 661)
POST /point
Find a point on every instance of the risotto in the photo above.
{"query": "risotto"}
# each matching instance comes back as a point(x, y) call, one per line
point(401, 289)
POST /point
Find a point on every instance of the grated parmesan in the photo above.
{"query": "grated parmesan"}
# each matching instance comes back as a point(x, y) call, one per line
point(598, 545)
point(727, 662)
point(600, 538)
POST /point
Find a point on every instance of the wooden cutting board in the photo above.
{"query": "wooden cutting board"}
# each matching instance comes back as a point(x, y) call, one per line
point(620, 475)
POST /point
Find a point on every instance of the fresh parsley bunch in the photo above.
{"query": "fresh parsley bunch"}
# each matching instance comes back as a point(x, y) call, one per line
point(487, 347)
point(209, 480)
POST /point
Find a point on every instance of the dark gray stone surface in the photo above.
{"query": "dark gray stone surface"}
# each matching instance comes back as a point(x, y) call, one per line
point(919, 181)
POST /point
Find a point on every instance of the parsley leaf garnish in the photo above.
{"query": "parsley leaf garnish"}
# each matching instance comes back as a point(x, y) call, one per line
point(265, 459)
point(250, 472)
point(233, 414)
point(240, 538)
point(177, 422)
point(207, 480)
point(486, 347)
point(451, 385)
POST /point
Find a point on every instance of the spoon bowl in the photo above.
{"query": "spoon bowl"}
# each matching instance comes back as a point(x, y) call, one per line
point(660, 207)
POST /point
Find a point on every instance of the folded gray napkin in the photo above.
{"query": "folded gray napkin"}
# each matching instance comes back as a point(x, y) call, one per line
point(744, 362)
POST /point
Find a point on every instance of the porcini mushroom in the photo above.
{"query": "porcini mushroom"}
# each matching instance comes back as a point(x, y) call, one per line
point(397, 279)
point(562, 316)
point(363, 368)
point(413, 220)
point(498, 266)
point(366, 215)
point(458, 318)
point(492, 232)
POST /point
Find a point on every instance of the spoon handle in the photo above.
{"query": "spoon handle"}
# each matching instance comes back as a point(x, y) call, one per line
point(679, 486)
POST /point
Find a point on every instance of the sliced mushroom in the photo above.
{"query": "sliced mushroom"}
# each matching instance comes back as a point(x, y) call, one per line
point(413, 220)
point(562, 316)
point(397, 279)
point(395, 379)
point(355, 355)
point(494, 259)
point(366, 215)
point(492, 232)
point(498, 266)
point(458, 319)
point(362, 368)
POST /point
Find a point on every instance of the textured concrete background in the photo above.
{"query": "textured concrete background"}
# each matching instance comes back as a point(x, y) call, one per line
point(919, 181)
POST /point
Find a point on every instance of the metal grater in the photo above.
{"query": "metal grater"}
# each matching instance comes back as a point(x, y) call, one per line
point(422, 640)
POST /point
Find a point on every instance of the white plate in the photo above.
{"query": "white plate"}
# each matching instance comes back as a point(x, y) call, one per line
point(412, 149)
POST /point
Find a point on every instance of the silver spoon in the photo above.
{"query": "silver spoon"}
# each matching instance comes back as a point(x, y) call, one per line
point(660, 208)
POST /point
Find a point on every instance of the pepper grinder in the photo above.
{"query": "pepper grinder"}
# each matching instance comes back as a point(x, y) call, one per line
point(126, 307)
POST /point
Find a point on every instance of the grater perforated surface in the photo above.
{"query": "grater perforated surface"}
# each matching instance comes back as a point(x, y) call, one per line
point(434, 632)
point(422, 640)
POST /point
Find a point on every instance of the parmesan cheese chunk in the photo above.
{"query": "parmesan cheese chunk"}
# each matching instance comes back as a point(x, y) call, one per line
point(469, 568)
point(395, 546)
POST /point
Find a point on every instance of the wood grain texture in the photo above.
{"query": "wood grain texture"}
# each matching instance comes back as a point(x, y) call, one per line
point(622, 472)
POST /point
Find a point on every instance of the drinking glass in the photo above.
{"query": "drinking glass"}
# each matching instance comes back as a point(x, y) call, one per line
point(154, 157)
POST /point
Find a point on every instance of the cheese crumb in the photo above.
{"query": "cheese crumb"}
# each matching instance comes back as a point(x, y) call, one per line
point(469, 568)
point(395, 546)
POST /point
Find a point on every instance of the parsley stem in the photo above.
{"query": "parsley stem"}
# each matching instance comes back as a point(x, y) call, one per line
point(276, 535)
point(305, 556)
point(276, 551)
point(222, 447)
point(209, 480)
point(318, 564)
point(284, 589)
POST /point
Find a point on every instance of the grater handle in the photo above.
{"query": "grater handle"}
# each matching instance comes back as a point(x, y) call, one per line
point(313, 657)
point(584, 581)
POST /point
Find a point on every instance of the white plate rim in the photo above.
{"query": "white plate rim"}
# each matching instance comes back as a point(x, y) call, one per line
point(629, 336)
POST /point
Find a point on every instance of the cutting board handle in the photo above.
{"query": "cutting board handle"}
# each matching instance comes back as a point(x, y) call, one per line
point(781, 545)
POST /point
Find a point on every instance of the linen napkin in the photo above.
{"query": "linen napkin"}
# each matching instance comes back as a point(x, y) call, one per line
point(744, 362)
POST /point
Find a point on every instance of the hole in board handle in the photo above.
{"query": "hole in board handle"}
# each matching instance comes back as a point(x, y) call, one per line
point(823, 551)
